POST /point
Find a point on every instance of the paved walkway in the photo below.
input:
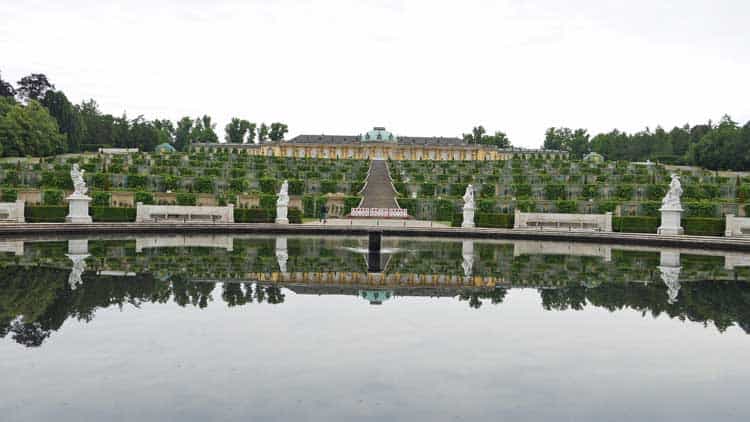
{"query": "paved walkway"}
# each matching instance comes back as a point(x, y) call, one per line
point(379, 191)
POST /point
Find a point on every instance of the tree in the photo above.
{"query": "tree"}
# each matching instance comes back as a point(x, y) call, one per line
point(182, 133)
point(499, 139)
point(723, 148)
point(478, 132)
point(236, 130)
point(29, 130)
point(476, 135)
point(251, 130)
point(564, 139)
point(142, 134)
point(165, 130)
point(203, 131)
point(68, 118)
point(6, 89)
point(33, 87)
point(262, 133)
point(277, 132)
point(98, 127)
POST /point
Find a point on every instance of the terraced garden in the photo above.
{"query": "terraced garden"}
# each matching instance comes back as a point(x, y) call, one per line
point(430, 190)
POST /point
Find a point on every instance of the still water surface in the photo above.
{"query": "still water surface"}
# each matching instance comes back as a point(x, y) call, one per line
point(312, 328)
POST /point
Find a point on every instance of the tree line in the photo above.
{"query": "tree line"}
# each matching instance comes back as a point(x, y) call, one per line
point(717, 146)
point(479, 135)
point(36, 119)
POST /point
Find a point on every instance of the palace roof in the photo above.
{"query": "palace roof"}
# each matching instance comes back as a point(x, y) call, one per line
point(358, 139)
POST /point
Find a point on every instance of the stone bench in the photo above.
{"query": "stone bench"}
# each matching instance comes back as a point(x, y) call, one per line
point(12, 212)
point(183, 214)
point(737, 226)
point(563, 222)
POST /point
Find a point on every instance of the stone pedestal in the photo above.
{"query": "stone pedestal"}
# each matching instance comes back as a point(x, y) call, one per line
point(468, 221)
point(669, 267)
point(670, 222)
point(282, 256)
point(281, 214)
point(78, 251)
point(78, 209)
point(467, 253)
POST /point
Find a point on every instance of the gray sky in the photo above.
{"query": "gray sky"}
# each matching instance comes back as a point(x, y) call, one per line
point(420, 68)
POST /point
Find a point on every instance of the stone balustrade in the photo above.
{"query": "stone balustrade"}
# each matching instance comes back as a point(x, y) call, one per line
point(566, 222)
point(737, 226)
point(12, 212)
point(379, 212)
point(183, 213)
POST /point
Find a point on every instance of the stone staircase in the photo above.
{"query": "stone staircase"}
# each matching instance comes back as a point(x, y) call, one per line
point(378, 192)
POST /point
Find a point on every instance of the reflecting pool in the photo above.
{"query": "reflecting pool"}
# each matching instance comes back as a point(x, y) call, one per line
point(220, 327)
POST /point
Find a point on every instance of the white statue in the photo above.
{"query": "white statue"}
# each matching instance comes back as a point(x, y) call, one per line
point(79, 184)
point(283, 200)
point(282, 256)
point(467, 253)
point(468, 221)
point(469, 197)
point(672, 198)
point(282, 203)
point(671, 278)
point(79, 266)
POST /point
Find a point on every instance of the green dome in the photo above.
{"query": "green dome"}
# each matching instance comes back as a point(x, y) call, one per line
point(165, 147)
point(375, 297)
point(378, 134)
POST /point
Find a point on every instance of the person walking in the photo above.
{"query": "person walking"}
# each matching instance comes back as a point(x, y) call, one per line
point(323, 213)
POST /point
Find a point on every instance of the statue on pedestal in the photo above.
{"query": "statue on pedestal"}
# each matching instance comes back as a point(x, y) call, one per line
point(469, 197)
point(671, 210)
point(672, 198)
point(282, 203)
point(283, 195)
point(78, 202)
point(671, 278)
point(79, 266)
point(79, 185)
point(468, 221)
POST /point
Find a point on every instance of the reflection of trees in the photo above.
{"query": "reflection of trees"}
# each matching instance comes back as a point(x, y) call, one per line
point(274, 295)
point(189, 293)
point(496, 296)
point(35, 301)
point(723, 303)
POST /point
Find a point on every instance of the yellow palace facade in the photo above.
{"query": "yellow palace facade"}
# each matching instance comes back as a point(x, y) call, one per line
point(379, 144)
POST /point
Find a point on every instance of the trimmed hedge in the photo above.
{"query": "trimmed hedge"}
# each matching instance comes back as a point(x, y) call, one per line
point(410, 204)
point(184, 198)
point(46, 214)
point(635, 224)
point(294, 215)
point(144, 197)
point(503, 221)
point(692, 226)
point(100, 199)
point(255, 215)
point(9, 195)
point(704, 226)
point(52, 197)
point(350, 202)
point(112, 214)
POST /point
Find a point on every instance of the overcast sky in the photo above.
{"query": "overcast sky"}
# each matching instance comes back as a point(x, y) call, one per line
point(420, 68)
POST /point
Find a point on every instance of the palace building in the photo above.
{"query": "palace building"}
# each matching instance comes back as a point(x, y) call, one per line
point(380, 144)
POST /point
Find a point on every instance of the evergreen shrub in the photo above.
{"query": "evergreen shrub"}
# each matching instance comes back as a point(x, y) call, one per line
point(113, 214)
point(45, 214)
point(100, 199)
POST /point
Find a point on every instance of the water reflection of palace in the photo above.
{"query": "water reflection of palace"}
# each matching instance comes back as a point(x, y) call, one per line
point(44, 283)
